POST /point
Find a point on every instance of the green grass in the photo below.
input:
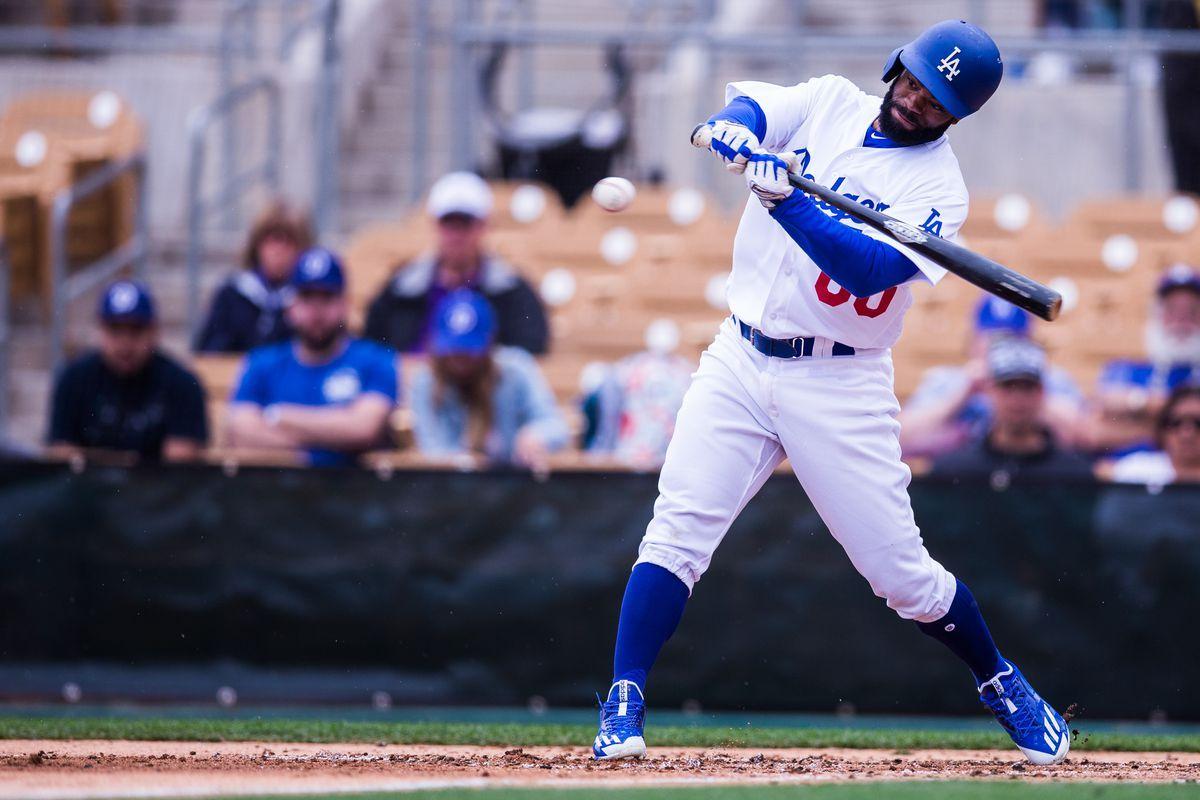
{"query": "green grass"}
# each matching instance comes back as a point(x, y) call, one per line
point(520, 734)
point(925, 790)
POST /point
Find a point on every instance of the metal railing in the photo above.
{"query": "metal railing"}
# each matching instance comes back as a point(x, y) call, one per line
point(65, 288)
point(1123, 48)
point(265, 172)
point(241, 35)
point(101, 39)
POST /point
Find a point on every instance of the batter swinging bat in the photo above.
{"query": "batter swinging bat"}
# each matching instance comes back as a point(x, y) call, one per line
point(988, 275)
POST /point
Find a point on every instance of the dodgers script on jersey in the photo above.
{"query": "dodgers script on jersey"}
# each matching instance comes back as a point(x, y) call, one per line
point(775, 286)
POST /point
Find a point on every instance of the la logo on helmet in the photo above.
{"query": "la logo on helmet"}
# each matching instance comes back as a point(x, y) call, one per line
point(949, 64)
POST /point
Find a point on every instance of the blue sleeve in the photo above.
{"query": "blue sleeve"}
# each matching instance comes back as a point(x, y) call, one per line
point(746, 112)
point(853, 259)
point(381, 377)
point(253, 385)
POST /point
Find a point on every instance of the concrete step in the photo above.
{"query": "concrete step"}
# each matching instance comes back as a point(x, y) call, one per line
point(374, 176)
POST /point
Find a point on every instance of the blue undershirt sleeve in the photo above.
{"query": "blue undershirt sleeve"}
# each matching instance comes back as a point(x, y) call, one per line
point(744, 111)
point(853, 259)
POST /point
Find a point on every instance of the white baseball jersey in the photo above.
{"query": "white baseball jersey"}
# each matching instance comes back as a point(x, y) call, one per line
point(774, 285)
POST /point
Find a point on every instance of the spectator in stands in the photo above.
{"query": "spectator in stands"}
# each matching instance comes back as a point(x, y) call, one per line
point(249, 308)
point(1017, 440)
point(950, 407)
point(1131, 393)
point(127, 395)
point(402, 315)
point(322, 392)
point(1177, 434)
point(631, 411)
point(474, 397)
point(1125, 515)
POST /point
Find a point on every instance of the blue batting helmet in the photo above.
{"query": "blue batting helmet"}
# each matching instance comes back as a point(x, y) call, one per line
point(956, 61)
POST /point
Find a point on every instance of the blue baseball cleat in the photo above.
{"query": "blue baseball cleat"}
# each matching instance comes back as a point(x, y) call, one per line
point(622, 717)
point(1038, 730)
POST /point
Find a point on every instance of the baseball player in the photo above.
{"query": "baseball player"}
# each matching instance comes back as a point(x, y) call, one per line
point(803, 370)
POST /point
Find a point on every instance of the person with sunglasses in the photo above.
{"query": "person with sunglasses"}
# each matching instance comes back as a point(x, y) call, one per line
point(1177, 434)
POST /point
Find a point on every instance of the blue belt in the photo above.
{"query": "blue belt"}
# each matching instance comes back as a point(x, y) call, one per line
point(799, 347)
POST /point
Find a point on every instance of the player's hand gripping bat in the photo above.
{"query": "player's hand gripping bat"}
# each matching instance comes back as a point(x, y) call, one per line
point(988, 275)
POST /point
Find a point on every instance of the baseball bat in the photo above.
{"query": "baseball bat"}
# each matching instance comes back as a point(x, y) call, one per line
point(992, 277)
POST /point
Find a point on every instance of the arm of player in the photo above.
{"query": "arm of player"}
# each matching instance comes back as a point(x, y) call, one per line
point(857, 262)
point(355, 426)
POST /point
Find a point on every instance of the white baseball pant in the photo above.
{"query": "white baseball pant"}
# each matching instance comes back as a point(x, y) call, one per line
point(835, 420)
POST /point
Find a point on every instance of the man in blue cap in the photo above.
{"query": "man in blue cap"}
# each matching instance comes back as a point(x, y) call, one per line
point(477, 398)
point(127, 395)
point(322, 392)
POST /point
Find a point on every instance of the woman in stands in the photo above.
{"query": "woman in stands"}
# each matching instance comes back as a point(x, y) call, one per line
point(474, 397)
point(1177, 433)
point(248, 309)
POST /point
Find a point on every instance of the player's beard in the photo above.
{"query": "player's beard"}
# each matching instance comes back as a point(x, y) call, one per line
point(898, 133)
point(1165, 349)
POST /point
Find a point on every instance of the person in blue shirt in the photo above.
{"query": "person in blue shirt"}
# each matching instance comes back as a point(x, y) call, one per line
point(474, 397)
point(1132, 392)
point(323, 392)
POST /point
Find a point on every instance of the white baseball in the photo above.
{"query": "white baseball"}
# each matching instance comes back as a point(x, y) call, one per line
point(614, 194)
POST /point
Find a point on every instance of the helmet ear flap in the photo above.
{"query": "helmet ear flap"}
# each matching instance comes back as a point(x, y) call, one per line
point(893, 67)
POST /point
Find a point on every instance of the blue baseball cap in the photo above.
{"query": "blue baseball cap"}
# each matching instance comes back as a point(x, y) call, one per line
point(994, 315)
point(1179, 276)
point(463, 324)
point(956, 61)
point(128, 303)
point(318, 270)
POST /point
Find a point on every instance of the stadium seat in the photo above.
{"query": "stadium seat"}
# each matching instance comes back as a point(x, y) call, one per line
point(218, 374)
point(524, 205)
point(48, 141)
point(1139, 216)
point(1006, 217)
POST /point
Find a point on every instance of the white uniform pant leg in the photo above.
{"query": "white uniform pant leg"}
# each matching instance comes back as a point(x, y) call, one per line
point(837, 423)
point(721, 453)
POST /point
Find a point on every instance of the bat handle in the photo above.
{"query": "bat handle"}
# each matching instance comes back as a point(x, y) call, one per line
point(701, 135)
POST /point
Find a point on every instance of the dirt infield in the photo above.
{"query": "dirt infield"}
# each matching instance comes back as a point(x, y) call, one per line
point(52, 769)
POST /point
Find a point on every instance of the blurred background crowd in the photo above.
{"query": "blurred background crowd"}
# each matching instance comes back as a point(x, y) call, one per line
point(348, 232)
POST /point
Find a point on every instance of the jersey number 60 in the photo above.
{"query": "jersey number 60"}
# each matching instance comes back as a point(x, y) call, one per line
point(862, 305)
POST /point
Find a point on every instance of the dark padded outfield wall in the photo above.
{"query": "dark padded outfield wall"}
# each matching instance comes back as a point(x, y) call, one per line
point(491, 588)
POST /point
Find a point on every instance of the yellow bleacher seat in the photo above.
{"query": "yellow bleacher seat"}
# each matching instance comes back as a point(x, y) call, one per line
point(528, 194)
point(1139, 216)
point(79, 135)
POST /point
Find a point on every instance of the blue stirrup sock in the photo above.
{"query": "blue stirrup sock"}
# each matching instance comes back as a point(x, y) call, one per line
point(650, 612)
point(963, 630)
